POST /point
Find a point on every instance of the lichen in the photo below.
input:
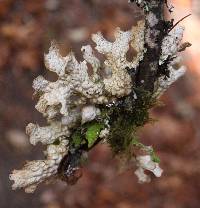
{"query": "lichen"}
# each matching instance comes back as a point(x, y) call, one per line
point(85, 108)
point(37, 171)
point(145, 163)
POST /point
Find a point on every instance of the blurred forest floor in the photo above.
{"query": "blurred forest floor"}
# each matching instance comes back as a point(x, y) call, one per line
point(26, 29)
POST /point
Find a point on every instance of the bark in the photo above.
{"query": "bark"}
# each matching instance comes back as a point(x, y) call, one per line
point(155, 30)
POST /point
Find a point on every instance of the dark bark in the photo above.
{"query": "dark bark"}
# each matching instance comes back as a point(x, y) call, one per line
point(154, 33)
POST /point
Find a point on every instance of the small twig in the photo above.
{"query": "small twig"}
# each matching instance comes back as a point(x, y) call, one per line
point(179, 22)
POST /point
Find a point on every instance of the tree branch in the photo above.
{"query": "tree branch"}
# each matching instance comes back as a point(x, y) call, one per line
point(155, 31)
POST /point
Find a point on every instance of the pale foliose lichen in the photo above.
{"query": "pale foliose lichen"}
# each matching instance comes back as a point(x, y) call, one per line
point(77, 96)
point(171, 43)
point(170, 47)
point(145, 163)
point(35, 172)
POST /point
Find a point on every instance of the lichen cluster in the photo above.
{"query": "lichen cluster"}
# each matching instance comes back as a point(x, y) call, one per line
point(84, 107)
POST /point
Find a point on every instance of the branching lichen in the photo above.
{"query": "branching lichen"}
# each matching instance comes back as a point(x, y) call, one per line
point(110, 104)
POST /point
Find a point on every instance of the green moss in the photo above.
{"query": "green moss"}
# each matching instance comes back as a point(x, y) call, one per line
point(154, 157)
point(121, 134)
point(127, 118)
point(143, 103)
point(77, 139)
point(136, 143)
point(92, 133)
point(150, 151)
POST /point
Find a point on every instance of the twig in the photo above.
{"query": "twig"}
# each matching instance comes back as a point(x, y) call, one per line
point(179, 22)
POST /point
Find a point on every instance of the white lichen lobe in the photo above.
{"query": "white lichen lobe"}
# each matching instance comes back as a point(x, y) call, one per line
point(35, 172)
point(170, 47)
point(171, 43)
point(145, 163)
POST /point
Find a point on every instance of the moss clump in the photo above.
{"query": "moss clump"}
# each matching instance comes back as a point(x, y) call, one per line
point(154, 157)
point(148, 150)
point(127, 118)
point(121, 135)
point(140, 109)
point(77, 139)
